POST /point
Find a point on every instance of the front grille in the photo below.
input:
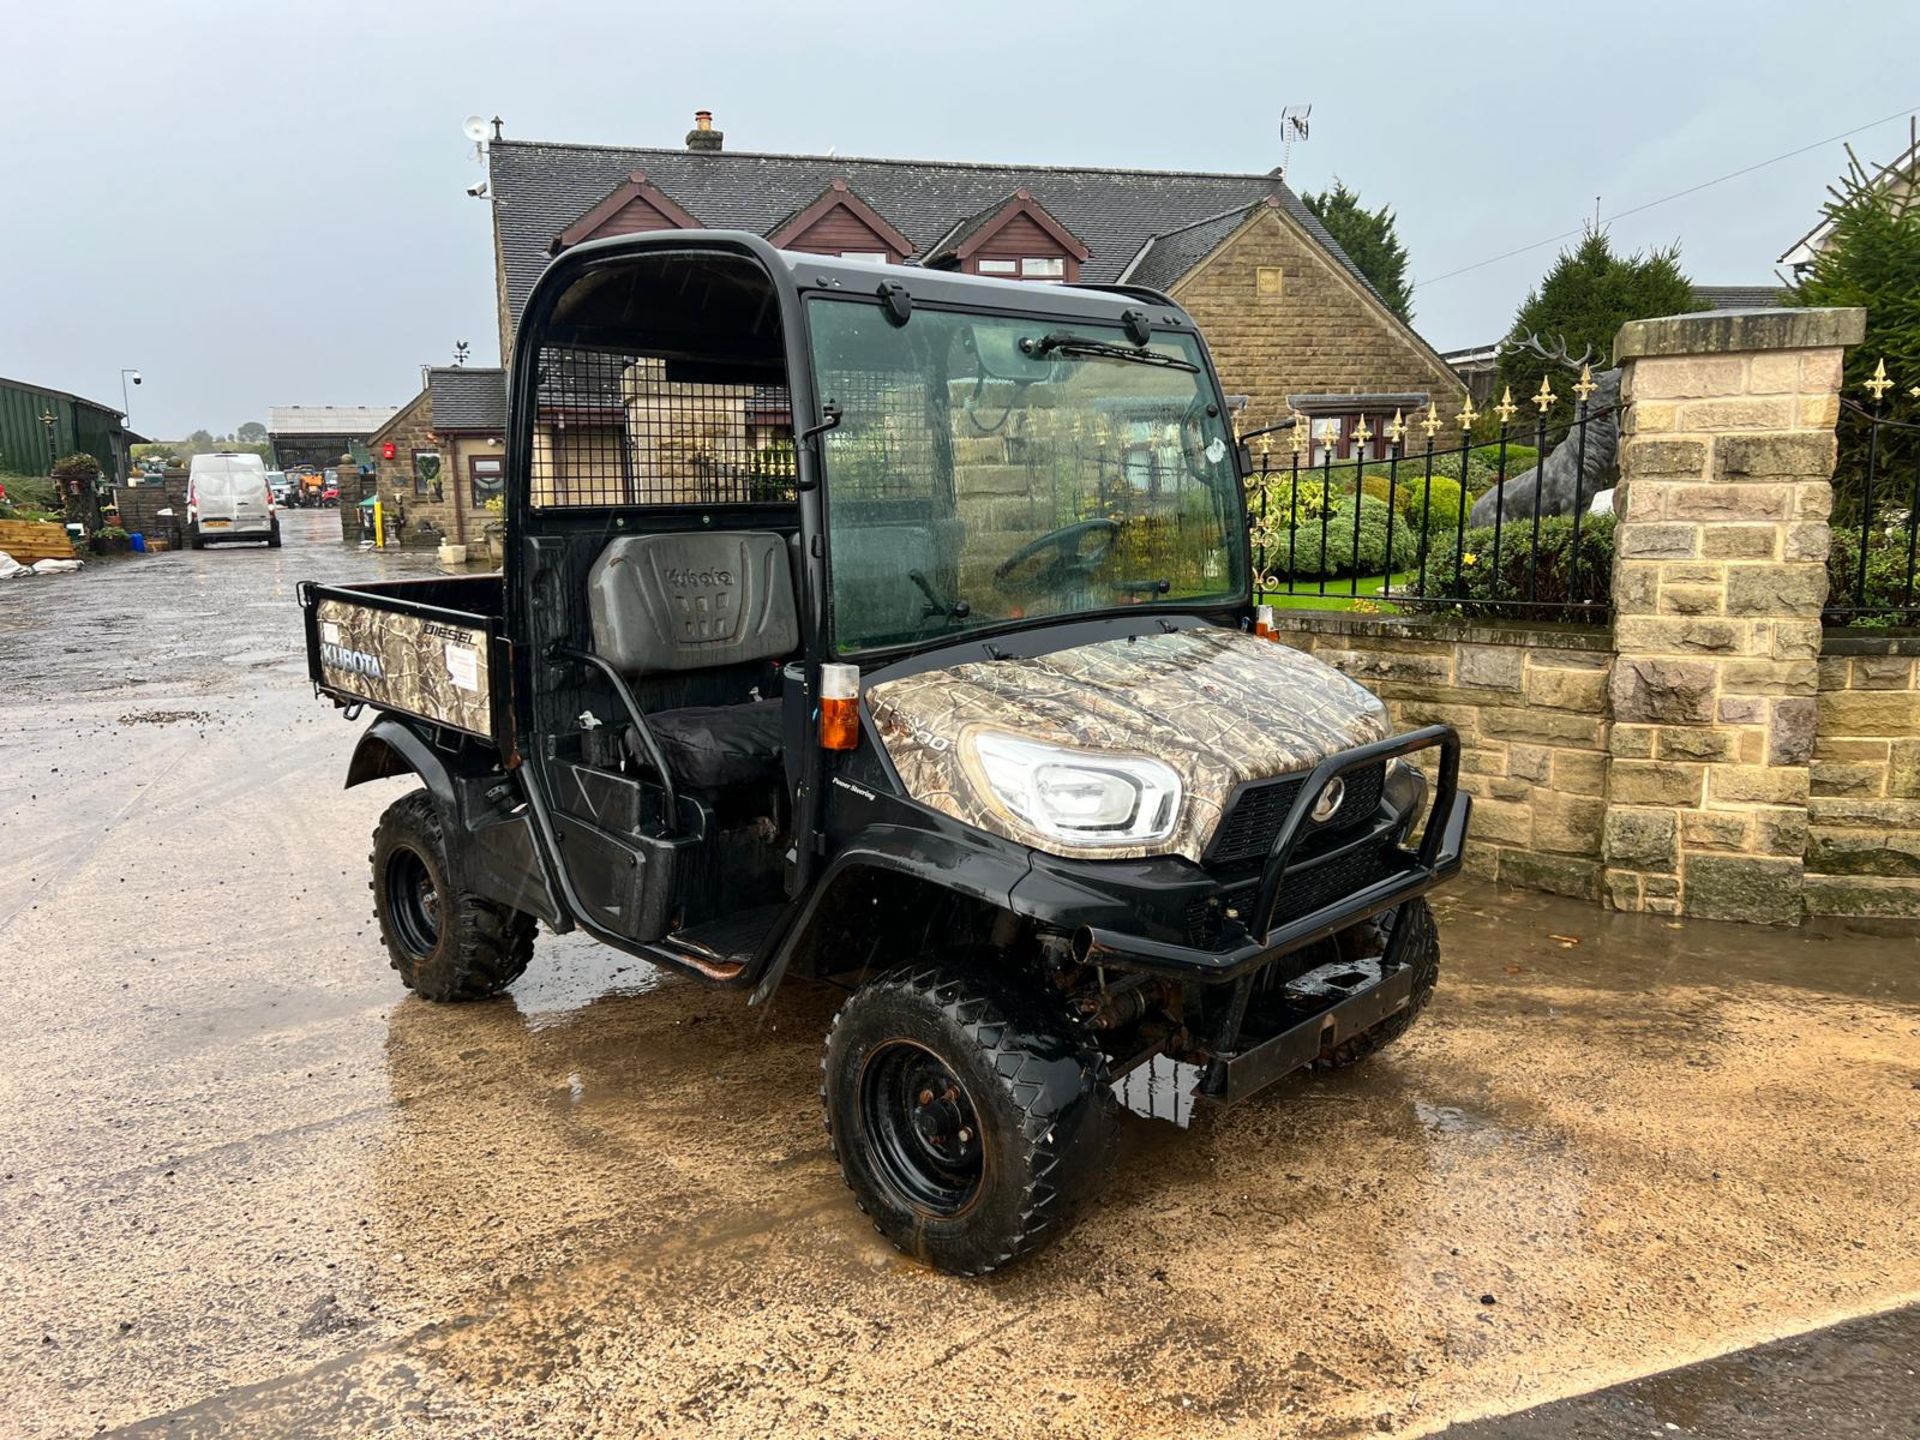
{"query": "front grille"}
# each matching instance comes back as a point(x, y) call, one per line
point(1255, 816)
point(1307, 890)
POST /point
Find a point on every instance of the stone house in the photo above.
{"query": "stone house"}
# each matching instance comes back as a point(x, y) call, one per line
point(1295, 327)
point(441, 457)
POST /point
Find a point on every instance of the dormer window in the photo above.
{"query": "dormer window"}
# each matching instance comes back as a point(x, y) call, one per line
point(1016, 239)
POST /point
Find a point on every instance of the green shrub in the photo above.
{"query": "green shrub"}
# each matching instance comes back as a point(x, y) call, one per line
point(1554, 583)
point(1299, 553)
point(1887, 595)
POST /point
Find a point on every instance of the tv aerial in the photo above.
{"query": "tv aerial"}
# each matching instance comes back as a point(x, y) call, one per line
point(1293, 126)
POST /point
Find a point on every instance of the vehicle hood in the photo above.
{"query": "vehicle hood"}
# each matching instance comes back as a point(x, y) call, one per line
point(1220, 706)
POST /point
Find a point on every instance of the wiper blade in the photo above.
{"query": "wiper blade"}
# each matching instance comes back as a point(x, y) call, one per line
point(1065, 342)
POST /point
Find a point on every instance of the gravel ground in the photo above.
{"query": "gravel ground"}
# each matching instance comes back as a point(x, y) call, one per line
point(247, 1188)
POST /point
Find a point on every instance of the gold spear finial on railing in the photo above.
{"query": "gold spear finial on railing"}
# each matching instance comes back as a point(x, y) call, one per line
point(1298, 439)
point(1361, 435)
point(1506, 408)
point(1468, 414)
point(1585, 387)
point(1544, 396)
point(1878, 384)
point(1397, 431)
point(1266, 446)
point(1432, 423)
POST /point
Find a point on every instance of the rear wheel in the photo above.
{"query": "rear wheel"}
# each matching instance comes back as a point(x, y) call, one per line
point(194, 537)
point(1421, 951)
point(273, 536)
point(969, 1113)
point(447, 944)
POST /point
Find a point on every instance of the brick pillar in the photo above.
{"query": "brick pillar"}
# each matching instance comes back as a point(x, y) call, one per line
point(1726, 463)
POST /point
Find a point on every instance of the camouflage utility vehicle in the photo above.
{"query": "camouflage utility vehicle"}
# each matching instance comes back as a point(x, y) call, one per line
point(894, 628)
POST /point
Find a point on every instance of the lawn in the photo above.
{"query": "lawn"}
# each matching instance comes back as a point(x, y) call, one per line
point(1305, 594)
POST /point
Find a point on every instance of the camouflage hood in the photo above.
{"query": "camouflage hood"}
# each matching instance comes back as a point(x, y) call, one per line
point(1219, 706)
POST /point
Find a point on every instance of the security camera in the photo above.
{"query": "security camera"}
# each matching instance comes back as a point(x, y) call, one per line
point(477, 190)
point(136, 377)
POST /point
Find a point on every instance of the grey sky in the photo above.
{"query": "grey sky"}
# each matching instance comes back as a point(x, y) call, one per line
point(261, 203)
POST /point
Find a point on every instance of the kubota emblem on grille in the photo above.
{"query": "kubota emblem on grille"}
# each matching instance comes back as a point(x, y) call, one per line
point(1328, 805)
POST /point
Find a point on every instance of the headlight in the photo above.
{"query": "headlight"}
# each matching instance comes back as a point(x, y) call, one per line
point(1084, 797)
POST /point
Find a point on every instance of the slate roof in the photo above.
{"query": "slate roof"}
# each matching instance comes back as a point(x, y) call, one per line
point(1738, 297)
point(1172, 253)
point(540, 188)
point(468, 397)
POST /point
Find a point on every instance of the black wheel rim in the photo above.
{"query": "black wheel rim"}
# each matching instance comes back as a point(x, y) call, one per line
point(921, 1129)
point(413, 902)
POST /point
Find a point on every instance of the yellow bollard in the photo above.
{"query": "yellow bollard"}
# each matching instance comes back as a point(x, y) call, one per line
point(379, 527)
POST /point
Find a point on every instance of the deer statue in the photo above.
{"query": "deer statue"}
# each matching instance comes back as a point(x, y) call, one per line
point(1569, 476)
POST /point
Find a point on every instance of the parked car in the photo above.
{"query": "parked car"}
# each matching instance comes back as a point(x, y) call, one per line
point(996, 745)
point(280, 485)
point(228, 499)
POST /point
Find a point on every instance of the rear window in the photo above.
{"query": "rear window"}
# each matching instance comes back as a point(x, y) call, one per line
point(228, 475)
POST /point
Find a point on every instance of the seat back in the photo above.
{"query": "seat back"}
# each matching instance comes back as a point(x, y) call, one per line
point(663, 603)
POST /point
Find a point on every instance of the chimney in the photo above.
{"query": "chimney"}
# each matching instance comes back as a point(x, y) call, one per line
point(703, 137)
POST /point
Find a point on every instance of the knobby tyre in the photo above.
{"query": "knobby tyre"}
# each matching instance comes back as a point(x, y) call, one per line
point(969, 1112)
point(446, 944)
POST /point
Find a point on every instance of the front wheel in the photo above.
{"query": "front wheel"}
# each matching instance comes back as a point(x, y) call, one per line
point(969, 1113)
point(447, 944)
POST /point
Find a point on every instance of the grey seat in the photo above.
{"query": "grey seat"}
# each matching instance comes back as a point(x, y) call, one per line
point(663, 604)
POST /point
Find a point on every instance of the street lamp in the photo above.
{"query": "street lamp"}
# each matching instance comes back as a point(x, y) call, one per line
point(126, 405)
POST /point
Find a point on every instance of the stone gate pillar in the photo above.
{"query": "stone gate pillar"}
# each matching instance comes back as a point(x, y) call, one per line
point(1726, 462)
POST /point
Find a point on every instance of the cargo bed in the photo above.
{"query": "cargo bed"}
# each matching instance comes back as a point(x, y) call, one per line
point(430, 648)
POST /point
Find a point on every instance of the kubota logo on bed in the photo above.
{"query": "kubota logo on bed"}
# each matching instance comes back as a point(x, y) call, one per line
point(357, 661)
point(706, 578)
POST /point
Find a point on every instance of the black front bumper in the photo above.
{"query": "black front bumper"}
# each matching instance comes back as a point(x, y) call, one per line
point(1263, 935)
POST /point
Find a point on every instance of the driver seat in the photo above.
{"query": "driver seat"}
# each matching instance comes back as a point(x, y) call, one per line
point(667, 604)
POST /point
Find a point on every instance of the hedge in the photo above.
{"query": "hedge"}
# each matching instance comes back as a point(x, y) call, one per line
point(1298, 553)
point(1554, 584)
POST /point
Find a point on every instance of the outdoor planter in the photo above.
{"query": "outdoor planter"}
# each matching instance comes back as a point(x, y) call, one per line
point(451, 554)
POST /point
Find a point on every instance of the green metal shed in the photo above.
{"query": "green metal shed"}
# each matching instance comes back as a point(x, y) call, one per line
point(29, 443)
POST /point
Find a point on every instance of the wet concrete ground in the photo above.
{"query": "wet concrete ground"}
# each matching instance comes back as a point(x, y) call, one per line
point(248, 1189)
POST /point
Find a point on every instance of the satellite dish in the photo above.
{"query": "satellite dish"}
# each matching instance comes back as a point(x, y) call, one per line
point(474, 127)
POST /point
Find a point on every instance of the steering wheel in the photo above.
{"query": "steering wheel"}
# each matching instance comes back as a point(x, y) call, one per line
point(1072, 560)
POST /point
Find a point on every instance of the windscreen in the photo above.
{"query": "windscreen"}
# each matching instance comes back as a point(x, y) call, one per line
point(988, 469)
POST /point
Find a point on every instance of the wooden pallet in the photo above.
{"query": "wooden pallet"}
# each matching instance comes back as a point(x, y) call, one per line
point(30, 540)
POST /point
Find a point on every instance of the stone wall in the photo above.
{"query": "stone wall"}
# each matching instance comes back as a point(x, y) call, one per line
point(1863, 842)
point(1316, 331)
point(1726, 461)
point(1530, 704)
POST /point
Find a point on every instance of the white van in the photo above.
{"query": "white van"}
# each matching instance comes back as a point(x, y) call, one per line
point(228, 499)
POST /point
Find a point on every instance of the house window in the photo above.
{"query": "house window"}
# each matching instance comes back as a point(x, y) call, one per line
point(871, 257)
point(488, 474)
point(999, 267)
point(1329, 433)
point(1052, 268)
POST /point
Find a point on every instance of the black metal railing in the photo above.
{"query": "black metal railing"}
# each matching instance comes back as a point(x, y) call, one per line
point(1501, 526)
point(1872, 575)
